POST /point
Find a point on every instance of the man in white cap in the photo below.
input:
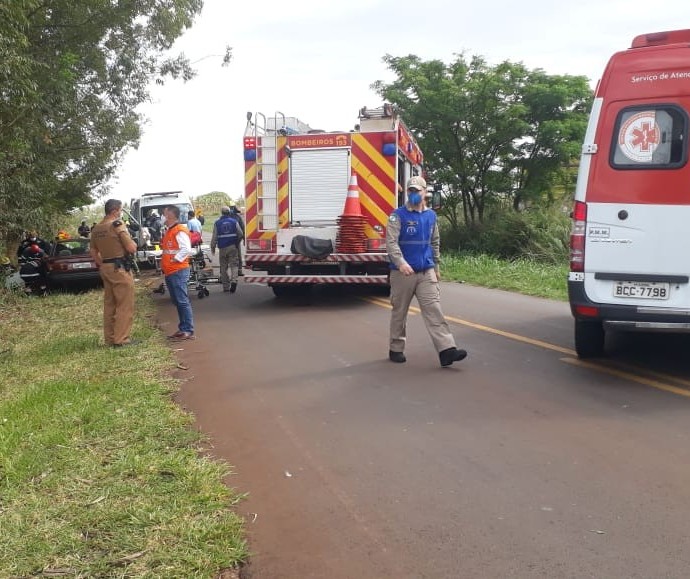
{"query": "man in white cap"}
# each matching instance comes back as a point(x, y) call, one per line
point(413, 246)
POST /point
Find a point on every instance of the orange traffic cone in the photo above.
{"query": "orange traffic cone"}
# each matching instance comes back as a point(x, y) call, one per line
point(352, 206)
point(351, 237)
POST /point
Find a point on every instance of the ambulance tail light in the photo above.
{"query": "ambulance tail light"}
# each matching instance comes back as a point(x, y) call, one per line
point(577, 237)
point(586, 311)
point(260, 245)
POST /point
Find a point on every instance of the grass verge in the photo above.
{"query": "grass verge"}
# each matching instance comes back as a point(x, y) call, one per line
point(100, 472)
point(520, 275)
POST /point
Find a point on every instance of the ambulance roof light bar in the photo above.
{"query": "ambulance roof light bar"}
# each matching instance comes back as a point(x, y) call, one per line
point(661, 38)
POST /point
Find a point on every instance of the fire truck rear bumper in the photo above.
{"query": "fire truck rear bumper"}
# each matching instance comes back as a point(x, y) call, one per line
point(263, 258)
point(316, 279)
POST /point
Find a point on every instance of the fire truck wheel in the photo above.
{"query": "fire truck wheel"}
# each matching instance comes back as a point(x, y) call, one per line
point(284, 291)
point(384, 290)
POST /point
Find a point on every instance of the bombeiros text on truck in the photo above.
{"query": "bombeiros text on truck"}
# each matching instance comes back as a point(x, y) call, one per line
point(317, 202)
point(630, 244)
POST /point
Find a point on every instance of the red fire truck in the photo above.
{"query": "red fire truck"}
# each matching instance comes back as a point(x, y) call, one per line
point(297, 181)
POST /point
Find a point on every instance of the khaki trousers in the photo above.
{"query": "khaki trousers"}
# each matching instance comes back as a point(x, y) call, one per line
point(118, 303)
point(228, 257)
point(424, 285)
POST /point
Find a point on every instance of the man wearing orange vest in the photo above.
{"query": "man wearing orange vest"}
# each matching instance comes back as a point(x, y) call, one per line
point(177, 248)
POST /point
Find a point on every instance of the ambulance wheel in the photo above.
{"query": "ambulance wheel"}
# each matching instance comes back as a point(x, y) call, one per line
point(206, 292)
point(589, 339)
point(201, 294)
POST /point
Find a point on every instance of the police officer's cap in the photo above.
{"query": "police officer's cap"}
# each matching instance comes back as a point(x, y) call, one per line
point(417, 183)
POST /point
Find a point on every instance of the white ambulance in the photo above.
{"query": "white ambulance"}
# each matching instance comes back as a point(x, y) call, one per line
point(146, 212)
point(630, 244)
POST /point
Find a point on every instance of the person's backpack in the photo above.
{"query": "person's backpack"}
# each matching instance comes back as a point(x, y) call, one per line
point(195, 237)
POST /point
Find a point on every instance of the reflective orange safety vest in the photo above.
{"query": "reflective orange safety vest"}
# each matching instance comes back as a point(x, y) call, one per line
point(171, 249)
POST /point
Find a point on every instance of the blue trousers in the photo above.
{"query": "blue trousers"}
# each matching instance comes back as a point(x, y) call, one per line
point(177, 286)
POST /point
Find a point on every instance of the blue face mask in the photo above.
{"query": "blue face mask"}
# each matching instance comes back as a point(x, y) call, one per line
point(414, 197)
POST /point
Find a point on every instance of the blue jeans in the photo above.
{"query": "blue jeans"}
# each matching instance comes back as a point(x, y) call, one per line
point(177, 286)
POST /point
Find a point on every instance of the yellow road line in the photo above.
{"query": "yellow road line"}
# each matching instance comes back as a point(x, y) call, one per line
point(653, 373)
point(379, 302)
point(628, 376)
point(509, 335)
point(574, 361)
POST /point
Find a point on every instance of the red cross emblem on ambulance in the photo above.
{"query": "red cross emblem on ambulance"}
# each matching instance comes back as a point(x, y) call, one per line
point(645, 136)
point(639, 137)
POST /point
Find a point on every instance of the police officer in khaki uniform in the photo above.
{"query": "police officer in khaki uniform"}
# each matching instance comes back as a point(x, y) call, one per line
point(413, 246)
point(111, 248)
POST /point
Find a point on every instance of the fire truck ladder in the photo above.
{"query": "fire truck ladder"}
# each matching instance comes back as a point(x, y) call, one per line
point(267, 170)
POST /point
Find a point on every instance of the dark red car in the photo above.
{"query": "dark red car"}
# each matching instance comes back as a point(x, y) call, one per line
point(68, 264)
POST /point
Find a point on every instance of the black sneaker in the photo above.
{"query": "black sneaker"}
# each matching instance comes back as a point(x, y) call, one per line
point(233, 287)
point(397, 357)
point(447, 357)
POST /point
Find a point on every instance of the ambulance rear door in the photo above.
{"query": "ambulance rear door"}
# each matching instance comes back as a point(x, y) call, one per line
point(637, 244)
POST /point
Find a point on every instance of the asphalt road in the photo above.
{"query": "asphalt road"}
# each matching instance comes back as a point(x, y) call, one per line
point(519, 462)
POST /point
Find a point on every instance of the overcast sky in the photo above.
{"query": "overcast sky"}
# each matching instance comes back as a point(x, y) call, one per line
point(315, 60)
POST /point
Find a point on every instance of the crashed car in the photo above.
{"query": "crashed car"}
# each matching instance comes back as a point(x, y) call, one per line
point(68, 264)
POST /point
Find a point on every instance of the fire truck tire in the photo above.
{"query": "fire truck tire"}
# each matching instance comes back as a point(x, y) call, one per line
point(285, 291)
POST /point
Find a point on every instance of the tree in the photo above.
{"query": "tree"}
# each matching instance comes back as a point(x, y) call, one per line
point(73, 73)
point(488, 132)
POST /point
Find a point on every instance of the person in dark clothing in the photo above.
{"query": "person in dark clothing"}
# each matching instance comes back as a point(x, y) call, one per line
point(236, 214)
point(32, 238)
point(83, 230)
point(227, 234)
point(153, 222)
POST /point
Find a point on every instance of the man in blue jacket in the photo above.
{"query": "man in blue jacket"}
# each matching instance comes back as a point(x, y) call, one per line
point(227, 234)
point(413, 246)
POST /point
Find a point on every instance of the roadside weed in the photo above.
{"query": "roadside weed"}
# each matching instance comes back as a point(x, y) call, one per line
point(525, 276)
point(101, 474)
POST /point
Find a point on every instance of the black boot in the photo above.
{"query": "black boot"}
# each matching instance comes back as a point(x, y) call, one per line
point(450, 355)
point(233, 287)
point(398, 357)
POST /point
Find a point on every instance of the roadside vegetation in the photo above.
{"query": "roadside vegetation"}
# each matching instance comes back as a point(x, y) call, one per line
point(526, 252)
point(523, 275)
point(501, 144)
point(101, 474)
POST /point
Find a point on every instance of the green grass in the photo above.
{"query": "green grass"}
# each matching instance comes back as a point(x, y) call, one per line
point(521, 275)
point(101, 474)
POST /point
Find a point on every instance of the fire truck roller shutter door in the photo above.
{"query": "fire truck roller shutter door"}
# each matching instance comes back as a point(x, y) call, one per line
point(319, 181)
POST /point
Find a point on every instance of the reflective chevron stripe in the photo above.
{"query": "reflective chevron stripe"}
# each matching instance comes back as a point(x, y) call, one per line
point(333, 258)
point(302, 279)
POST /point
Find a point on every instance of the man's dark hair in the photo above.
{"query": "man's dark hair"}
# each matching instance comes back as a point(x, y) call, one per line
point(190, 214)
point(112, 205)
point(174, 209)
